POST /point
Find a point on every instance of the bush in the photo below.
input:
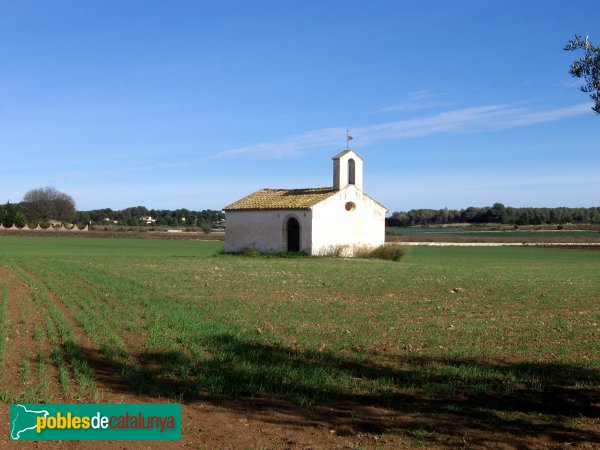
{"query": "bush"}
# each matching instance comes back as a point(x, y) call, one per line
point(390, 252)
point(334, 251)
point(253, 253)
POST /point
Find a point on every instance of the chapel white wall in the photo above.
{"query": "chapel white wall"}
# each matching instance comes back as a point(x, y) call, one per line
point(264, 230)
point(333, 226)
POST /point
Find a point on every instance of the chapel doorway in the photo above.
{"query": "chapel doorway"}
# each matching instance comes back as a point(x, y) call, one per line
point(293, 235)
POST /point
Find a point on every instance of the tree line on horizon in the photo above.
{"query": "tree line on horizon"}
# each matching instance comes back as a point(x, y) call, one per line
point(20, 214)
point(43, 205)
point(134, 216)
point(498, 213)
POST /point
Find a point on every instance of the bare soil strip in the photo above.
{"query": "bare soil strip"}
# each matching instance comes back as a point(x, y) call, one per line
point(23, 315)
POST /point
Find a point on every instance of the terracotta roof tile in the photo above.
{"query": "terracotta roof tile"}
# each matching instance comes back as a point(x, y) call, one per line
point(282, 199)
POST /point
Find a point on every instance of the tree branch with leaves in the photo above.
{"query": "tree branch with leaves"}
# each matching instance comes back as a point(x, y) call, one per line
point(587, 67)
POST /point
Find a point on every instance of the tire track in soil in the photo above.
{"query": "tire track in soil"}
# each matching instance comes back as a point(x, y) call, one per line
point(21, 338)
point(106, 374)
point(136, 340)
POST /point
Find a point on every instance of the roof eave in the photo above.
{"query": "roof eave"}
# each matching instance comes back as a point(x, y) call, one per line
point(339, 155)
point(307, 208)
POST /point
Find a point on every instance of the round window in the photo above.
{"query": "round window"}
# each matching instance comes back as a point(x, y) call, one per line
point(350, 206)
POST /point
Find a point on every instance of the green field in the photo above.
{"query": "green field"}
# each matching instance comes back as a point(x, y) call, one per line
point(486, 338)
point(507, 233)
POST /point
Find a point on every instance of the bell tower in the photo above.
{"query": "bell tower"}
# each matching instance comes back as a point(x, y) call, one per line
point(347, 170)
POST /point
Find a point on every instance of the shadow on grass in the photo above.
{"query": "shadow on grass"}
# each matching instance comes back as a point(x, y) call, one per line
point(490, 402)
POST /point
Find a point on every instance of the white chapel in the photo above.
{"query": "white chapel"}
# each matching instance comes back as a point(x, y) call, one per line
point(317, 221)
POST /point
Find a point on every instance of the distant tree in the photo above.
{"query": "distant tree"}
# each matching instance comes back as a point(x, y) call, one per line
point(587, 67)
point(19, 219)
point(205, 225)
point(64, 207)
point(4, 214)
point(443, 215)
point(499, 214)
point(11, 214)
point(44, 204)
point(398, 219)
point(83, 217)
point(469, 214)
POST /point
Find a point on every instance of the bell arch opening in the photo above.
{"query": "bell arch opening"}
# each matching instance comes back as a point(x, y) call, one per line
point(351, 171)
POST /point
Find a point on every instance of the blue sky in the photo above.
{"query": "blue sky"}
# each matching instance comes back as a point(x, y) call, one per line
point(194, 104)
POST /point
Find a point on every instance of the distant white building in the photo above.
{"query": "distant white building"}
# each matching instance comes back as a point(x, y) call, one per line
point(148, 220)
point(317, 221)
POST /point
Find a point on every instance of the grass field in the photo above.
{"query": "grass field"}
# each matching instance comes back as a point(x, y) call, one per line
point(476, 232)
point(450, 346)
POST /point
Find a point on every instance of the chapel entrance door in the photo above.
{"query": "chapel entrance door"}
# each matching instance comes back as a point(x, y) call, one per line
point(293, 235)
